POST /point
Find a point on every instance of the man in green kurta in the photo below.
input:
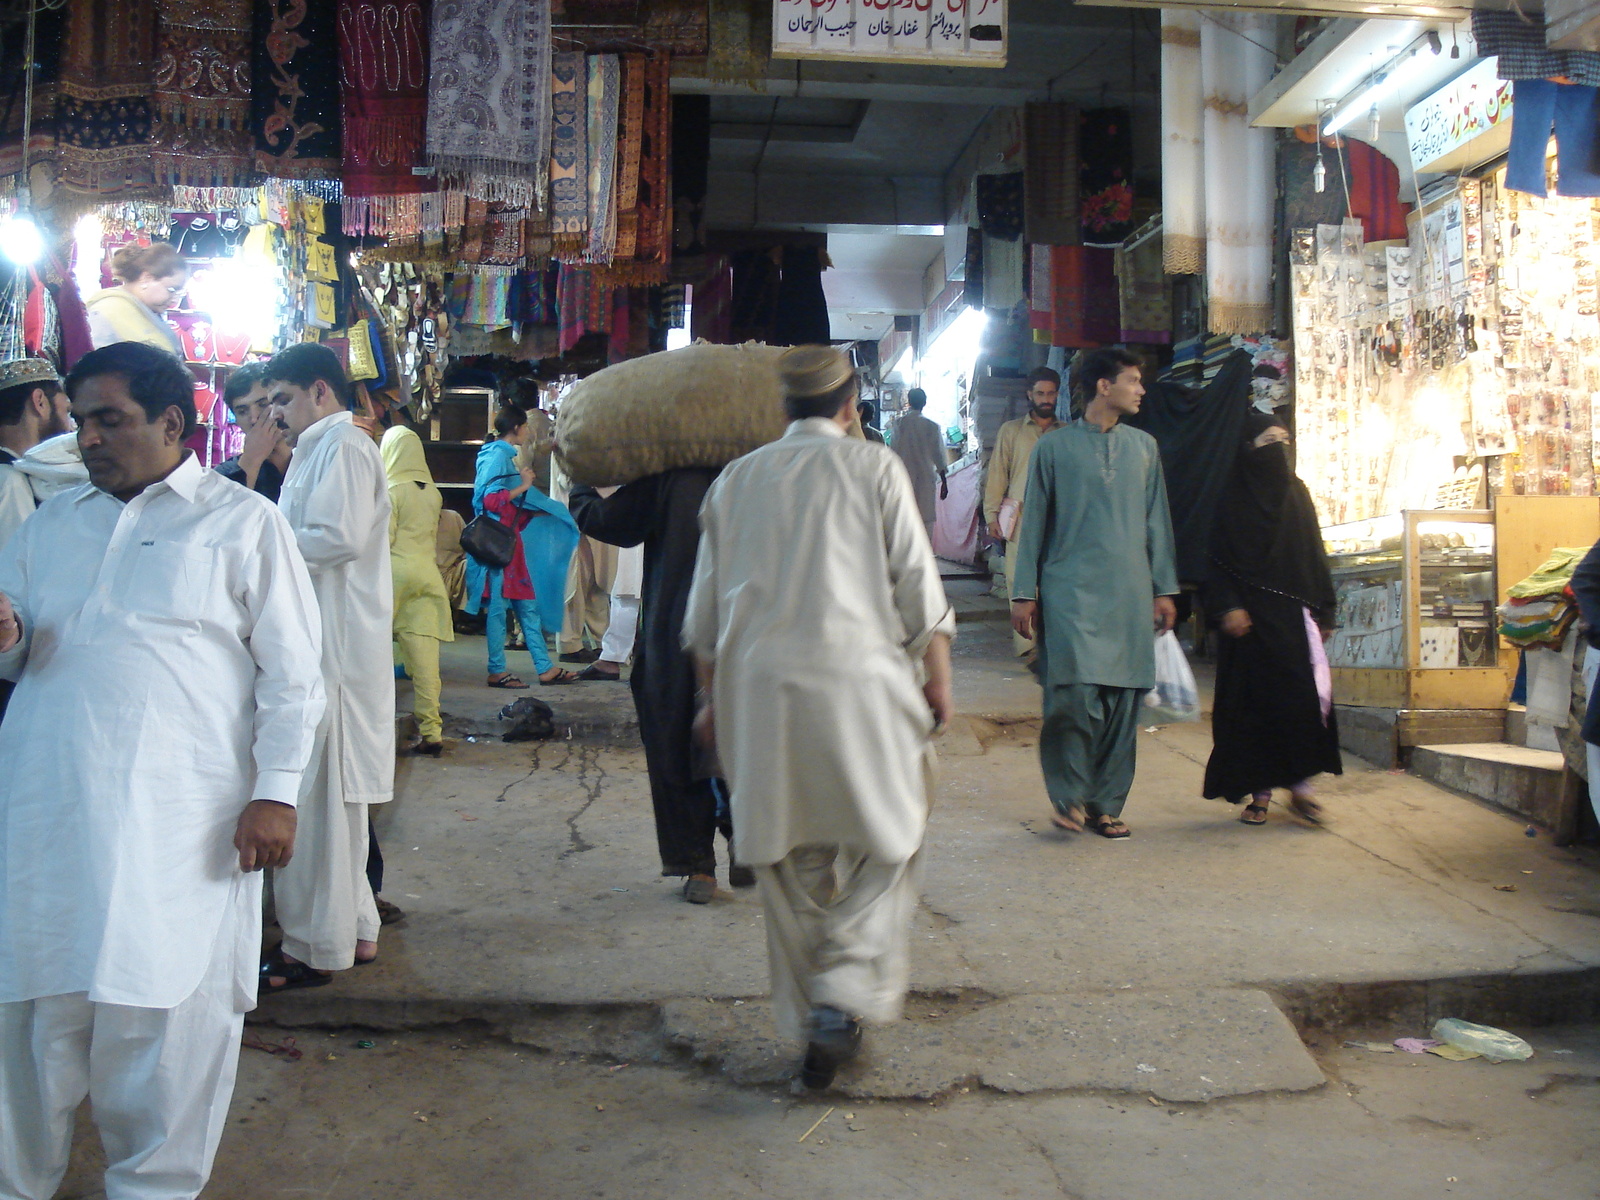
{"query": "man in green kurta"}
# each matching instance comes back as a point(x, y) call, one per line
point(1094, 581)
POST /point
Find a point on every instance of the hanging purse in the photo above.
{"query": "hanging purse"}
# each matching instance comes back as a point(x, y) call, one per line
point(489, 540)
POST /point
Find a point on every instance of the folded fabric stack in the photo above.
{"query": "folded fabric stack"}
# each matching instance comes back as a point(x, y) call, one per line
point(1540, 609)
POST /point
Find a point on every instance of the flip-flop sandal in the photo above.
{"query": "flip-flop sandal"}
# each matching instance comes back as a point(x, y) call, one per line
point(1068, 824)
point(295, 975)
point(564, 677)
point(1254, 814)
point(509, 682)
point(1109, 827)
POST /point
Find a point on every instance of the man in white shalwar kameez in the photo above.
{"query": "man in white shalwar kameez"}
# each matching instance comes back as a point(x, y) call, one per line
point(165, 639)
point(819, 622)
point(336, 499)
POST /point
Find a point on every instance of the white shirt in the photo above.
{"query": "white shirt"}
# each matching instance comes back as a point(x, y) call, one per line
point(816, 594)
point(16, 498)
point(336, 499)
point(167, 677)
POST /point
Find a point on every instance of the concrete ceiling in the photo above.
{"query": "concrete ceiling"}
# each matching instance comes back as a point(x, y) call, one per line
point(862, 151)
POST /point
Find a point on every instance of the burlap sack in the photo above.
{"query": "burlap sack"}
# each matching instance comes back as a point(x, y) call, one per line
point(701, 406)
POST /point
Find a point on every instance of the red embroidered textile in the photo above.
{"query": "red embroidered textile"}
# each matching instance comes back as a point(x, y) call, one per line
point(515, 582)
point(1086, 301)
point(383, 77)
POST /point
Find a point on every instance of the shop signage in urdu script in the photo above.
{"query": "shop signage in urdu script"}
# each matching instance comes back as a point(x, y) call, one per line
point(952, 32)
point(1474, 103)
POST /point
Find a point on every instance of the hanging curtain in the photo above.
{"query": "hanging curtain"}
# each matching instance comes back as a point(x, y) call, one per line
point(103, 117)
point(489, 97)
point(1235, 64)
point(383, 81)
point(1183, 212)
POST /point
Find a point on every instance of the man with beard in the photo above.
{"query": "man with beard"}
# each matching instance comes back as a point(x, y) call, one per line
point(33, 408)
point(1007, 481)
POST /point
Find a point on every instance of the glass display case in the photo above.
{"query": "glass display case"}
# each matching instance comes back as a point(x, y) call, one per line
point(1416, 618)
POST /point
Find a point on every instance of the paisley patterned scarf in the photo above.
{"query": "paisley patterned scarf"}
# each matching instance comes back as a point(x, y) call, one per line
point(383, 74)
point(103, 117)
point(202, 94)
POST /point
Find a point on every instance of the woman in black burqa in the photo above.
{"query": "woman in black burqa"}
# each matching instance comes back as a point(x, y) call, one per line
point(1269, 592)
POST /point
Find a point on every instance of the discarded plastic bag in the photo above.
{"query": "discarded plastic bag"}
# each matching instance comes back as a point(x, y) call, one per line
point(1175, 697)
point(1494, 1044)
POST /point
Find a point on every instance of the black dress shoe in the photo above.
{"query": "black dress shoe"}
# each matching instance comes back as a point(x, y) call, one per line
point(741, 877)
point(835, 1040)
point(582, 656)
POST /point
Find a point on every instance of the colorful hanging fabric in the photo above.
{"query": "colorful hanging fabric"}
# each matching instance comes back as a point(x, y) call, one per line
point(585, 304)
point(1375, 192)
point(629, 147)
point(654, 249)
point(383, 85)
point(104, 116)
point(1183, 188)
point(1239, 190)
point(202, 94)
point(1050, 139)
point(740, 41)
point(502, 239)
point(1105, 174)
point(605, 95)
point(489, 96)
point(294, 88)
point(1085, 302)
point(569, 152)
point(1144, 294)
point(1041, 294)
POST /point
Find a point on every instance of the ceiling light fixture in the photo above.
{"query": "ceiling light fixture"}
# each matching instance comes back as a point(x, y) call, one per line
point(1384, 83)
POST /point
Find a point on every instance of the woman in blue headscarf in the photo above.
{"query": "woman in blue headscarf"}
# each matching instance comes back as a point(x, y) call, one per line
point(534, 584)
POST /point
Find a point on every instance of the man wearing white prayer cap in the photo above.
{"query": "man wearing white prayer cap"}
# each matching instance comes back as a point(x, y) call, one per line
point(822, 634)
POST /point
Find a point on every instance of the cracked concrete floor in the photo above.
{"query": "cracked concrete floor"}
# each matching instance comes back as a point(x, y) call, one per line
point(529, 872)
point(459, 1116)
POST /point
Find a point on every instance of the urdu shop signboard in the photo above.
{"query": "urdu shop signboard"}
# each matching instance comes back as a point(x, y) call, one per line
point(1464, 123)
point(957, 33)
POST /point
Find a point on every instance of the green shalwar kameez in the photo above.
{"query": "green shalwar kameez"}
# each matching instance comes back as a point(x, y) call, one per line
point(1095, 550)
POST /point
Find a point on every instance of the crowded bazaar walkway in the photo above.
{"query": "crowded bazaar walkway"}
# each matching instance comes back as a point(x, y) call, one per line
point(1040, 961)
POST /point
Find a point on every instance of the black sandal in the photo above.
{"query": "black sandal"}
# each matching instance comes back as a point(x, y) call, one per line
point(1260, 811)
point(1109, 827)
point(294, 975)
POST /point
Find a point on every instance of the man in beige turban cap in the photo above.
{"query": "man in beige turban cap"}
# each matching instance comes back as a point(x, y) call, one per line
point(822, 634)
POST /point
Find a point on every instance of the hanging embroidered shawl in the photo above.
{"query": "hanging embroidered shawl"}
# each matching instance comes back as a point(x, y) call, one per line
point(1050, 138)
point(489, 95)
point(294, 88)
point(1085, 303)
point(1238, 173)
point(585, 304)
point(741, 41)
point(1183, 189)
point(605, 94)
point(103, 117)
point(629, 148)
point(202, 94)
point(653, 223)
point(1105, 174)
point(1145, 294)
point(569, 152)
point(383, 82)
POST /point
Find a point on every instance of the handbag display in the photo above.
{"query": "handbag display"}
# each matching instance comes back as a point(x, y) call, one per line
point(489, 540)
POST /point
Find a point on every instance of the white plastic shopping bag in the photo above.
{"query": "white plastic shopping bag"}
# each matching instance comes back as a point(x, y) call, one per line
point(1175, 697)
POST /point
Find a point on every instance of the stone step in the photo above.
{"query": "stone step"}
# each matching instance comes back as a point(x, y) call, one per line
point(1519, 779)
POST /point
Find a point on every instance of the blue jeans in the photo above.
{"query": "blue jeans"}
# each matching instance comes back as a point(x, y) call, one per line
point(1572, 109)
point(527, 616)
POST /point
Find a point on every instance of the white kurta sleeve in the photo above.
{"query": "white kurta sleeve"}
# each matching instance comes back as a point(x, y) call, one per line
point(341, 511)
point(918, 591)
point(14, 583)
point(16, 502)
point(286, 642)
point(701, 619)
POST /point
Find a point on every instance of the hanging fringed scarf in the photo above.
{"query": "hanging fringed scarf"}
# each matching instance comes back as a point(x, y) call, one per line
point(605, 94)
point(569, 152)
point(104, 116)
point(652, 224)
point(489, 97)
point(202, 94)
point(383, 77)
point(629, 149)
point(294, 89)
